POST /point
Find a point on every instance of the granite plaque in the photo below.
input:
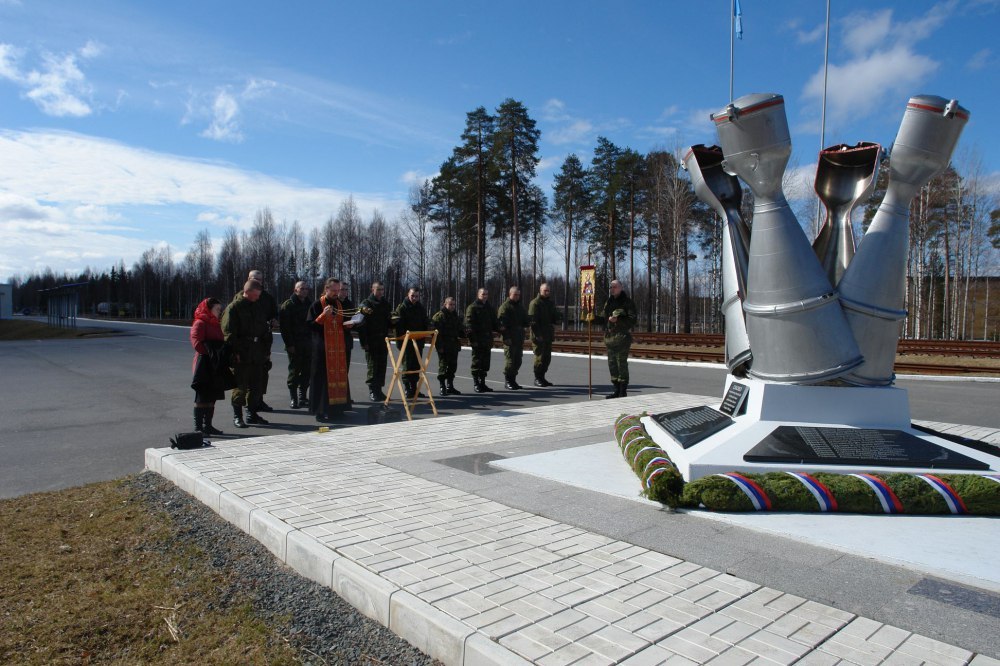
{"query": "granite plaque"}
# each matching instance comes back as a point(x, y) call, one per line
point(692, 425)
point(735, 396)
point(806, 445)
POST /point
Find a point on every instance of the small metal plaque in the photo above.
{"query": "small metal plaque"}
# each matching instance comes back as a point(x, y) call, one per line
point(855, 447)
point(692, 425)
point(736, 395)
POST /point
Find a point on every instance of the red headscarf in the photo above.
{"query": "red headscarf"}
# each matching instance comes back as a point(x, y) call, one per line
point(204, 313)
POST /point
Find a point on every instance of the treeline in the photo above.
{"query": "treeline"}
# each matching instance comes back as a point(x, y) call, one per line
point(483, 220)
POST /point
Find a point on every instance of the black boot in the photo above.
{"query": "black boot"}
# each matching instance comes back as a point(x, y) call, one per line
point(264, 407)
point(622, 388)
point(238, 417)
point(209, 428)
point(544, 381)
point(444, 388)
point(451, 387)
point(254, 417)
point(372, 394)
point(485, 386)
point(303, 398)
point(510, 384)
point(477, 384)
point(199, 419)
point(294, 397)
point(616, 393)
point(411, 390)
point(540, 381)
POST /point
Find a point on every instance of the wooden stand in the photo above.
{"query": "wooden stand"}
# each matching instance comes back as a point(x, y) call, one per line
point(399, 369)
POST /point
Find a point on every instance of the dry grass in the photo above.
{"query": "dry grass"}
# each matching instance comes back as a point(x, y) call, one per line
point(14, 329)
point(92, 575)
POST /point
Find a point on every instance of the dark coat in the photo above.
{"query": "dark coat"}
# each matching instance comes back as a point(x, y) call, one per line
point(513, 319)
point(410, 317)
point(292, 320)
point(247, 330)
point(624, 309)
point(480, 323)
point(375, 329)
point(544, 316)
point(448, 324)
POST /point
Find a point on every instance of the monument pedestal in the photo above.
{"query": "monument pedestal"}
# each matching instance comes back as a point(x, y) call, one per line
point(764, 426)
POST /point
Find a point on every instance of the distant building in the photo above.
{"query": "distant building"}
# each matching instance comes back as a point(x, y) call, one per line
point(6, 301)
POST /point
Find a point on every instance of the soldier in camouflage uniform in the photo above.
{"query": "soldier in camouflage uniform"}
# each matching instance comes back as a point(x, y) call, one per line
point(619, 317)
point(269, 305)
point(295, 334)
point(480, 325)
point(372, 335)
point(513, 320)
point(246, 330)
point(410, 315)
point(449, 327)
point(543, 315)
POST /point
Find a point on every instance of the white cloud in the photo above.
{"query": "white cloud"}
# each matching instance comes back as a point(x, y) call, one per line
point(577, 131)
point(980, 60)
point(58, 86)
point(864, 31)
point(549, 163)
point(810, 36)
point(225, 115)
point(415, 178)
point(68, 200)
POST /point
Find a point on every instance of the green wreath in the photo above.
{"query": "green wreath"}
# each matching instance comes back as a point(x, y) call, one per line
point(970, 494)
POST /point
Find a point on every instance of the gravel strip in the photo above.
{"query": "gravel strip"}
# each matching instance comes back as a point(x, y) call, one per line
point(321, 625)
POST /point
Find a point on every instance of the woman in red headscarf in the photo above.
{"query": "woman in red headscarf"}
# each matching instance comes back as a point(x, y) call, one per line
point(209, 367)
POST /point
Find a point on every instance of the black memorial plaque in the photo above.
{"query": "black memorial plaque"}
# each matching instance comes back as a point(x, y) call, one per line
point(855, 447)
point(735, 396)
point(692, 425)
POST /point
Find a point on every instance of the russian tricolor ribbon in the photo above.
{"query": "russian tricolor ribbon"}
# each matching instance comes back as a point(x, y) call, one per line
point(825, 499)
point(756, 494)
point(628, 430)
point(656, 473)
point(951, 498)
point(657, 461)
point(622, 418)
point(890, 503)
point(643, 450)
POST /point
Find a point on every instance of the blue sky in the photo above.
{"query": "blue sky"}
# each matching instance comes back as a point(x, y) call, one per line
point(125, 125)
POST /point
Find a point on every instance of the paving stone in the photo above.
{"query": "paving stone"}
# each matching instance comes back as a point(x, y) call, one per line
point(524, 646)
point(934, 651)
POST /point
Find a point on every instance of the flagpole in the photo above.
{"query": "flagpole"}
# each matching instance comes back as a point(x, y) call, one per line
point(732, 45)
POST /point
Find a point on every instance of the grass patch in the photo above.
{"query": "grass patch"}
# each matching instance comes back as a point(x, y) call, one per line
point(96, 575)
point(13, 329)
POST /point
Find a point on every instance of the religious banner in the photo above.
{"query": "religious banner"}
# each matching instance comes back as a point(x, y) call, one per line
point(588, 283)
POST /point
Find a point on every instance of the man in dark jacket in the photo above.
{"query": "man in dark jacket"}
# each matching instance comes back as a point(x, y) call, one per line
point(449, 328)
point(513, 319)
point(372, 335)
point(619, 317)
point(247, 331)
point(480, 325)
point(295, 335)
point(269, 305)
point(410, 315)
point(543, 315)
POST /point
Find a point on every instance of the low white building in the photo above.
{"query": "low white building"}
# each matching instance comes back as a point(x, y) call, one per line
point(6, 301)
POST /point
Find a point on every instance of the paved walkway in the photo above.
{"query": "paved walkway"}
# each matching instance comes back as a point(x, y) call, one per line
point(471, 580)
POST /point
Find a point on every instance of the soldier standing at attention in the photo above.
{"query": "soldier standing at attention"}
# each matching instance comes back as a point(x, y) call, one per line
point(410, 315)
point(269, 305)
point(543, 315)
point(619, 316)
point(246, 331)
point(480, 325)
point(372, 335)
point(449, 327)
point(295, 334)
point(513, 320)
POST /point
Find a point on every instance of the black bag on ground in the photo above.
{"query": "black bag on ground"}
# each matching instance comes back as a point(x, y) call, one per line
point(381, 413)
point(188, 440)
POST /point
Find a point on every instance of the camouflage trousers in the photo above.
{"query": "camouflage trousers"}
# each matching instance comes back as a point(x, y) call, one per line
point(376, 358)
point(512, 355)
point(447, 362)
point(299, 366)
point(618, 358)
point(480, 361)
point(543, 355)
point(249, 391)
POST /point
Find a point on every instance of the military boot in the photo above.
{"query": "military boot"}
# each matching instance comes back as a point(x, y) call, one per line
point(622, 388)
point(254, 417)
point(209, 429)
point(444, 388)
point(486, 388)
point(303, 399)
point(478, 385)
point(617, 393)
point(372, 394)
point(238, 417)
point(544, 381)
point(451, 387)
point(199, 419)
point(294, 397)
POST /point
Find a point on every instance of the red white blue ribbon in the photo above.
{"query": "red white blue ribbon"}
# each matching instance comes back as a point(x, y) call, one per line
point(656, 473)
point(643, 450)
point(622, 418)
point(631, 429)
point(951, 498)
point(657, 461)
point(890, 503)
point(825, 499)
point(756, 494)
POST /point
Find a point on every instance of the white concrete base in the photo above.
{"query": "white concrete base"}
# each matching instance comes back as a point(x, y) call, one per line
point(769, 405)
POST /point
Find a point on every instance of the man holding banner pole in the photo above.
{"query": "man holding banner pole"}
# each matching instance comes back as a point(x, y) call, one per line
point(588, 280)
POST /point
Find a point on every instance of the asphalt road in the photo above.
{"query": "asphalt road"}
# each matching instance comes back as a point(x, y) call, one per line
point(78, 411)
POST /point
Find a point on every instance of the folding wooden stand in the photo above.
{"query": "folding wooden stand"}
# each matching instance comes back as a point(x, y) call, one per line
point(399, 369)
